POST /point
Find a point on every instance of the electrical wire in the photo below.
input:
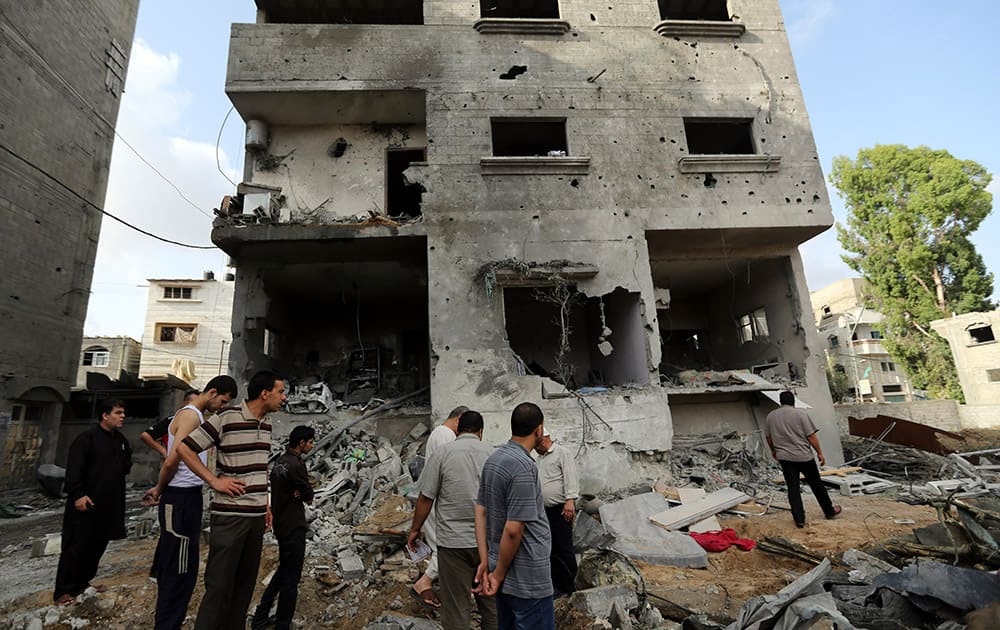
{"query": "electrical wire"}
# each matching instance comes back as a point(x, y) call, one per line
point(162, 176)
point(218, 140)
point(96, 207)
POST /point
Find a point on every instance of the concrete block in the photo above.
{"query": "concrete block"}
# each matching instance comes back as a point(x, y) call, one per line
point(599, 601)
point(50, 545)
point(698, 510)
point(351, 566)
point(638, 538)
point(619, 618)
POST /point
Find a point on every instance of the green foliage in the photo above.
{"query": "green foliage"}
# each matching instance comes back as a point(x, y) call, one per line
point(910, 214)
point(840, 388)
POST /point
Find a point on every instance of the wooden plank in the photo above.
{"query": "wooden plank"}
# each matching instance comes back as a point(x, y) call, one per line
point(690, 513)
point(840, 472)
point(690, 495)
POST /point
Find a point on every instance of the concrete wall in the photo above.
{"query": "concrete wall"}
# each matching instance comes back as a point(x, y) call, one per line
point(145, 461)
point(124, 354)
point(331, 80)
point(978, 363)
point(943, 414)
point(57, 121)
point(210, 309)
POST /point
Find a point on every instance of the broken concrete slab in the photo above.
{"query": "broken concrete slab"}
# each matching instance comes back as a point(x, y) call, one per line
point(392, 621)
point(589, 533)
point(598, 601)
point(618, 617)
point(686, 514)
point(351, 566)
point(48, 546)
point(865, 567)
point(635, 535)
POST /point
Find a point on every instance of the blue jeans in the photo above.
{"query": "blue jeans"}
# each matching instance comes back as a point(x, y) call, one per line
point(517, 613)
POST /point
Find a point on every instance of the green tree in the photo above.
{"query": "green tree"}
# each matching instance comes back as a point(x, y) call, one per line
point(840, 388)
point(910, 214)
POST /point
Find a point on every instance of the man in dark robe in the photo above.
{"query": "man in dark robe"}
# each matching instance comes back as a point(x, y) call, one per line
point(99, 460)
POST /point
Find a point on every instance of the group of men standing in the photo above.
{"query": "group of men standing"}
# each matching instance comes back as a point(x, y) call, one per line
point(491, 514)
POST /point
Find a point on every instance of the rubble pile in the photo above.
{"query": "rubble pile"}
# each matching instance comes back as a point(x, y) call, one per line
point(716, 461)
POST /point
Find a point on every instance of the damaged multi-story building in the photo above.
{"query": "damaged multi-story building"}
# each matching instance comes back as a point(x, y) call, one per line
point(594, 207)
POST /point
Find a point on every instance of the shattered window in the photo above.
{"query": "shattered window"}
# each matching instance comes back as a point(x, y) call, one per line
point(529, 137)
point(177, 333)
point(981, 334)
point(753, 326)
point(694, 10)
point(533, 9)
point(719, 136)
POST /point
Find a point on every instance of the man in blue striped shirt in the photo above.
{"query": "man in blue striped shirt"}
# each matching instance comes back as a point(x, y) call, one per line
point(512, 531)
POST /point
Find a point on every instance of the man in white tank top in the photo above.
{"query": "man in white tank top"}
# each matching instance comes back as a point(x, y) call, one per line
point(175, 563)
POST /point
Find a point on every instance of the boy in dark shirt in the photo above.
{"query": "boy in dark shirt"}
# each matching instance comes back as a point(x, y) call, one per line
point(289, 490)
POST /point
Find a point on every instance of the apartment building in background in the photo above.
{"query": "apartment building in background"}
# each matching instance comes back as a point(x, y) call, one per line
point(973, 341)
point(108, 357)
point(597, 208)
point(187, 331)
point(853, 338)
point(63, 70)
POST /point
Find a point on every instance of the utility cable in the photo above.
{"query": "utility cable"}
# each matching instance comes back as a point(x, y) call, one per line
point(162, 176)
point(98, 208)
point(218, 140)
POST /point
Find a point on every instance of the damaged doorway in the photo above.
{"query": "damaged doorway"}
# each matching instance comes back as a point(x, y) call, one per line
point(359, 325)
point(720, 315)
point(402, 199)
point(579, 341)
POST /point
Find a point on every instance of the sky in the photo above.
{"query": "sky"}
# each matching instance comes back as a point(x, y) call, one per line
point(872, 72)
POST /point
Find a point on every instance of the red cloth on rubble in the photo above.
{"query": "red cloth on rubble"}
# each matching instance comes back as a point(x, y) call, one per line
point(720, 540)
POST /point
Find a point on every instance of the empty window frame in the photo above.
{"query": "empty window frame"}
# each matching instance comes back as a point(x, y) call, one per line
point(888, 366)
point(402, 199)
point(176, 333)
point(527, 137)
point(981, 334)
point(875, 334)
point(96, 356)
point(694, 10)
point(719, 136)
point(753, 326)
point(993, 375)
point(531, 9)
point(354, 12)
point(177, 293)
point(834, 341)
point(892, 389)
point(827, 311)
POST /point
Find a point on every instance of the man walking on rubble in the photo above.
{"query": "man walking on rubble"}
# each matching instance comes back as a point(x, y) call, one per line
point(423, 588)
point(240, 510)
point(449, 484)
point(290, 489)
point(178, 492)
point(560, 490)
point(791, 435)
point(512, 531)
point(98, 461)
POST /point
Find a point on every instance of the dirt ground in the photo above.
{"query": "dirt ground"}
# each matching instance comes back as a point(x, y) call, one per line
point(732, 577)
point(975, 440)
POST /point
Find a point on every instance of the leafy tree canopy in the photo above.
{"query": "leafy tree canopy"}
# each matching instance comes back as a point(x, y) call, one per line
point(910, 214)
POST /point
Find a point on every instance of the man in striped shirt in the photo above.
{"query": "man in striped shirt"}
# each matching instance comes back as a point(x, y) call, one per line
point(240, 511)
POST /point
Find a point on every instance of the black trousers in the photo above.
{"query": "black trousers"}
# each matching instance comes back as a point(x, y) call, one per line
point(810, 471)
point(563, 556)
point(84, 540)
point(284, 585)
point(234, 546)
point(175, 563)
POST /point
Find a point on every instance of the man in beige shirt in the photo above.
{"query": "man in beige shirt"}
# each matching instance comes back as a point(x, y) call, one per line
point(560, 490)
point(791, 435)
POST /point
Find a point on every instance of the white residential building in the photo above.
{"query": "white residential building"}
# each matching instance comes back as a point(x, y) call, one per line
point(188, 328)
point(854, 344)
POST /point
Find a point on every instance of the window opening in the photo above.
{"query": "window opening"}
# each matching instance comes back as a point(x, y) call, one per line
point(839, 369)
point(382, 12)
point(834, 341)
point(888, 366)
point(528, 137)
point(753, 326)
point(402, 198)
point(530, 9)
point(96, 356)
point(876, 334)
point(892, 389)
point(177, 333)
point(981, 334)
point(694, 10)
point(993, 375)
point(827, 311)
point(177, 293)
point(713, 136)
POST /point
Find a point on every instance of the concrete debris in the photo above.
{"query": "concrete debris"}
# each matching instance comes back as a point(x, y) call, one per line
point(690, 513)
point(864, 567)
point(315, 398)
point(598, 601)
point(48, 546)
point(636, 536)
point(797, 606)
point(962, 589)
point(402, 622)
